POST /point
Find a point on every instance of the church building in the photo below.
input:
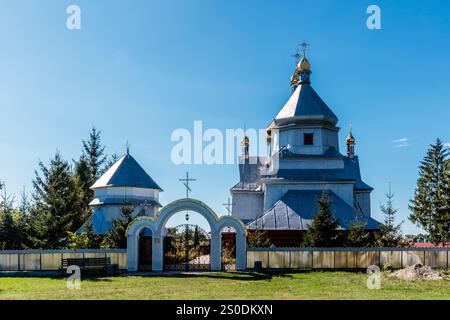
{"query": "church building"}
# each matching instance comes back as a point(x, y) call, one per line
point(279, 193)
point(124, 184)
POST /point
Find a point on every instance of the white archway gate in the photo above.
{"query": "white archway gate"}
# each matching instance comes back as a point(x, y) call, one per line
point(156, 225)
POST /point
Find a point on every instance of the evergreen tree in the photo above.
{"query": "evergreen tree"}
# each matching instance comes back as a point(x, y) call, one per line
point(112, 159)
point(11, 234)
point(357, 235)
point(322, 231)
point(57, 204)
point(94, 154)
point(88, 169)
point(390, 234)
point(116, 236)
point(430, 205)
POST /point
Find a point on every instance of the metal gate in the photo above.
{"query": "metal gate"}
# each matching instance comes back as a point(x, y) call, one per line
point(187, 248)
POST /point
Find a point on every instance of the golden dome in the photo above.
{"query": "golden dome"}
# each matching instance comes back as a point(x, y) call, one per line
point(304, 65)
point(245, 142)
point(351, 139)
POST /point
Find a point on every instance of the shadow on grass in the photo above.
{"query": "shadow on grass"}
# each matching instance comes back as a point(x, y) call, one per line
point(237, 276)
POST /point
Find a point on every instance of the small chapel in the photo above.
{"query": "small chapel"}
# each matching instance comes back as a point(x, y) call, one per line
point(279, 193)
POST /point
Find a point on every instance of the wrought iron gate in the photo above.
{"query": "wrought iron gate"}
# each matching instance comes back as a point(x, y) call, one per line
point(187, 248)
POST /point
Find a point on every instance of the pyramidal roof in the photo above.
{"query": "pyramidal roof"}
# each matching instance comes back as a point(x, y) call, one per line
point(126, 172)
point(305, 105)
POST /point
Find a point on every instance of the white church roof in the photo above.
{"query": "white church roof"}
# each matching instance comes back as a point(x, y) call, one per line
point(126, 172)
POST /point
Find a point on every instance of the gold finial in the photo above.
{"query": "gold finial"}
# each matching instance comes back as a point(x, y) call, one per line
point(304, 65)
point(350, 138)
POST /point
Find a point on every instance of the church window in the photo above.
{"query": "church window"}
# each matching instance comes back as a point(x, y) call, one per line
point(308, 139)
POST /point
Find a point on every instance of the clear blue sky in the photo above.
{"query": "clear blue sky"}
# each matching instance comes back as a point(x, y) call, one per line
point(140, 69)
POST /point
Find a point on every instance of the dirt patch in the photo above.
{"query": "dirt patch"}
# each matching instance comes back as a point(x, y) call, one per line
point(419, 272)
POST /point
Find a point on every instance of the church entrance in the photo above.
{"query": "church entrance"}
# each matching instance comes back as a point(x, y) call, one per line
point(187, 247)
point(194, 243)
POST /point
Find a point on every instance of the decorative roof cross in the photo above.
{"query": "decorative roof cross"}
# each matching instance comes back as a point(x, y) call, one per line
point(229, 205)
point(128, 145)
point(297, 56)
point(186, 183)
point(304, 46)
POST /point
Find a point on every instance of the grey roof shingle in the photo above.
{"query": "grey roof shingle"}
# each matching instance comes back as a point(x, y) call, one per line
point(126, 172)
point(305, 104)
point(297, 208)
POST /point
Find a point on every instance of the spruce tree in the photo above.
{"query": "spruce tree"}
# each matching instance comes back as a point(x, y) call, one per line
point(57, 204)
point(116, 236)
point(357, 235)
point(322, 231)
point(10, 231)
point(390, 234)
point(88, 169)
point(94, 153)
point(430, 205)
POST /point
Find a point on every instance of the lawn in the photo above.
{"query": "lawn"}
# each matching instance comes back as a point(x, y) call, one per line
point(311, 285)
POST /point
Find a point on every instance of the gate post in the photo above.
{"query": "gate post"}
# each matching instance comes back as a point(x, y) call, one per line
point(157, 253)
point(216, 251)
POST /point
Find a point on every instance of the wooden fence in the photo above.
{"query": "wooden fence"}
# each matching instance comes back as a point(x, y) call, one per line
point(50, 260)
point(271, 258)
point(346, 258)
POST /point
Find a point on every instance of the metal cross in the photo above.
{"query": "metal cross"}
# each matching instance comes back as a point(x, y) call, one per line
point(128, 145)
point(304, 46)
point(186, 183)
point(229, 205)
point(296, 56)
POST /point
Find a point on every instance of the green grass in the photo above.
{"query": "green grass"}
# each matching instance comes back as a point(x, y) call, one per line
point(311, 285)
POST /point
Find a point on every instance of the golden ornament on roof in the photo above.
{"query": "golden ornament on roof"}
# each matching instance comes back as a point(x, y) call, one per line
point(304, 65)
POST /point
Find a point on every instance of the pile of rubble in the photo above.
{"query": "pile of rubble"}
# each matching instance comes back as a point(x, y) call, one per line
point(419, 272)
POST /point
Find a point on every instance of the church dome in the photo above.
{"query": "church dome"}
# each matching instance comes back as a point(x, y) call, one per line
point(351, 139)
point(304, 65)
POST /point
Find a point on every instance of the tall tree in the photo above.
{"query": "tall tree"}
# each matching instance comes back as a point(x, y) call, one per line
point(430, 206)
point(390, 234)
point(94, 153)
point(89, 168)
point(322, 231)
point(57, 203)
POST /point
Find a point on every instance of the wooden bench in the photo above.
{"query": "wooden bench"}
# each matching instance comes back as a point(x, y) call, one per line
point(87, 264)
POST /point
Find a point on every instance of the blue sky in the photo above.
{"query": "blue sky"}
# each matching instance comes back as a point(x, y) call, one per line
point(138, 70)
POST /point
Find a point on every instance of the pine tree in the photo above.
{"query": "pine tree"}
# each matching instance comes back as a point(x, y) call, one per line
point(116, 236)
point(430, 205)
point(322, 231)
point(57, 204)
point(390, 234)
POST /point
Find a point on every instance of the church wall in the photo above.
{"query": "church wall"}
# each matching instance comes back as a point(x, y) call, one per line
point(113, 212)
point(129, 192)
point(363, 199)
point(274, 192)
point(247, 206)
point(323, 139)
